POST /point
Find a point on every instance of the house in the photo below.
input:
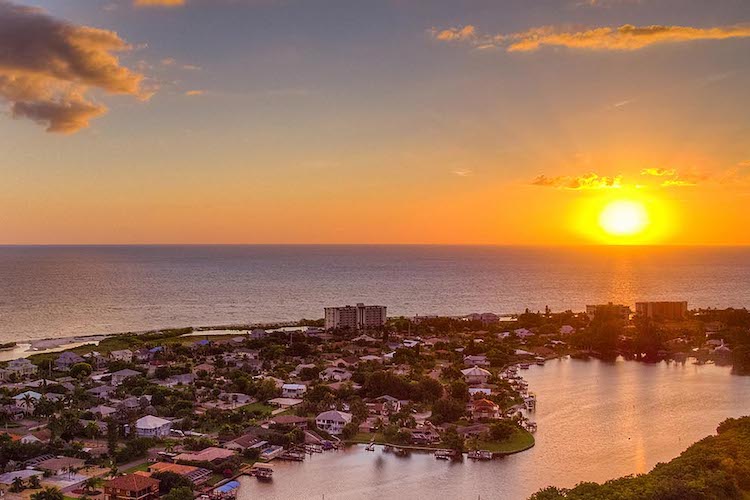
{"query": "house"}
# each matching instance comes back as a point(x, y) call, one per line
point(425, 434)
point(244, 442)
point(125, 355)
point(210, 454)
point(21, 368)
point(151, 426)
point(476, 375)
point(293, 390)
point(101, 412)
point(27, 400)
point(121, 376)
point(567, 330)
point(476, 360)
point(384, 406)
point(334, 374)
point(484, 409)
point(95, 359)
point(333, 421)
point(131, 487)
point(103, 391)
point(523, 333)
point(67, 359)
point(291, 420)
point(60, 465)
point(204, 367)
point(258, 333)
point(196, 475)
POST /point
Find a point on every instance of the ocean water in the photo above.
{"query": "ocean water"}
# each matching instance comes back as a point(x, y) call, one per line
point(67, 291)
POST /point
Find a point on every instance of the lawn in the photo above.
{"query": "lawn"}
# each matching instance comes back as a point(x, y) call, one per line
point(259, 407)
point(520, 441)
point(138, 468)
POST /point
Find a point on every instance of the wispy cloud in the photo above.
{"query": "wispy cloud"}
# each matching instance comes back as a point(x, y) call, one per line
point(579, 183)
point(463, 172)
point(48, 66)
point(623, 38)
point(193, 93)
point(671, 177)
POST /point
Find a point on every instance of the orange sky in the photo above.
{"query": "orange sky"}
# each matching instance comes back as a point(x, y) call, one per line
point(390, 122)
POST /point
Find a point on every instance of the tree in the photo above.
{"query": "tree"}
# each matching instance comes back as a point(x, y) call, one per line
point(447, 410)
point(502, 430)
point(91, 484)
point(169, 481)
point(80, 370)
point(34, 483)
point(113, 431)
point(182, 493)
point(453, 440)
point(49, 493)
point(18, 485)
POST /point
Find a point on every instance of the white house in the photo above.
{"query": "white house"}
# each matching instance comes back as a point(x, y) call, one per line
point(567, 330)
point(333, 421)
point(476, 375)
point(293, 390)
point(151, 426)
point(120, 376)
point(122, 355)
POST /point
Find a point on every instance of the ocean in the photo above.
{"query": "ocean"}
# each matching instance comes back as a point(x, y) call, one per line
point(56, 292)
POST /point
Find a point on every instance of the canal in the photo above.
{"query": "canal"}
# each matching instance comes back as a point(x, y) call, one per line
point(597, 421)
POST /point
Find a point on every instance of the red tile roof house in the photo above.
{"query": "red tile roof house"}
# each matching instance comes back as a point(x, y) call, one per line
point(484, 409)
point(131, 487)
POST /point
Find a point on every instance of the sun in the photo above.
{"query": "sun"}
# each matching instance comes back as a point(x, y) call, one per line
point(624, 218)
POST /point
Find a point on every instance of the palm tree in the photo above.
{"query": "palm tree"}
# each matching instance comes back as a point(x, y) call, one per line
point(18, 485)
point(28, 402)
point(92, 484)
point(48, 493)
point(34, 483)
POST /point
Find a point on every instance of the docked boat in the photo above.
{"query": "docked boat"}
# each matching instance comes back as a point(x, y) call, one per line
point(443, 454)
point(525, 366)
point(480, 455)
point(262, 471)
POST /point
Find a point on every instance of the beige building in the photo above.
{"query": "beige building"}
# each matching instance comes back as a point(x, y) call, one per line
point(359, 317)
point(662, 310)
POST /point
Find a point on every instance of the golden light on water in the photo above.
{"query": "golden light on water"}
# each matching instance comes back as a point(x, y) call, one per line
point(624, 218)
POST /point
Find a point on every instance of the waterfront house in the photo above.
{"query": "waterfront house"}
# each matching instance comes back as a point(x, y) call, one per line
point(293, 390)
point(120, 376)
point(476, 375)
point(484, 409)
point(333, 421)
point(196, 475)
point(476, 360)
point(210, 454)
point(152, 426)
point(291, 420)
point(244, 442)
point(67, 359)
point(131, 487)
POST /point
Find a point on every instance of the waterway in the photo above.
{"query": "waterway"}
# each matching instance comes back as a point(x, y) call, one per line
point(597, 421)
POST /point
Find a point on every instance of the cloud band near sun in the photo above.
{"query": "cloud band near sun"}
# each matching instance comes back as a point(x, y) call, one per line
point(623, 38)
point(48, 66)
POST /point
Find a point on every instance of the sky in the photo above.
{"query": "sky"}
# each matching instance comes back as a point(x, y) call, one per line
point(372, 121)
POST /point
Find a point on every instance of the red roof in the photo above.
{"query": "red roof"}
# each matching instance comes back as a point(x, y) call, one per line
point(484, 402)
point(132, 482)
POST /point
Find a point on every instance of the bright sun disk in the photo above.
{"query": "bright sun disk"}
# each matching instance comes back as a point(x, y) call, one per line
point(624, 218)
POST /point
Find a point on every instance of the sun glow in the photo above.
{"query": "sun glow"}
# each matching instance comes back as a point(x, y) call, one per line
point(624, 218)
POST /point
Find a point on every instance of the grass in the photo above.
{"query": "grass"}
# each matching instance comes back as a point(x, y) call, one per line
point(258, 407)
point(520, 441)
point(138, 468)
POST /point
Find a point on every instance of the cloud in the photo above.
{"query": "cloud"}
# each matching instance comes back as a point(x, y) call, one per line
point(48, 65)
point(194, 92)
point(463, 172)
point(740, 174)
point(671, 177)
point(624, 38)
point(579, 183)
point(158, 3)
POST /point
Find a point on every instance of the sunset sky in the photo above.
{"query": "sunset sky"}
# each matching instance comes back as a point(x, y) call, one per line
point(378, 121)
